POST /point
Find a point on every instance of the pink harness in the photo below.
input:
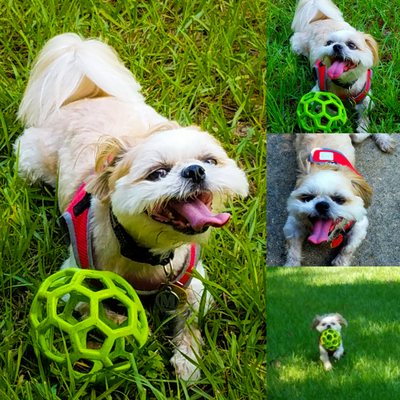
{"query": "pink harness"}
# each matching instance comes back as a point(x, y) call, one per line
point(322, 77)
point(77, 217)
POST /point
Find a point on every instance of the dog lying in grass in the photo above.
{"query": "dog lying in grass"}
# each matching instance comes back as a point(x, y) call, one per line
point(150, 188)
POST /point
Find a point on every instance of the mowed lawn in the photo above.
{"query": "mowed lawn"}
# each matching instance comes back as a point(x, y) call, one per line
point(289, 76)
point(199, 62)
point(368, 298)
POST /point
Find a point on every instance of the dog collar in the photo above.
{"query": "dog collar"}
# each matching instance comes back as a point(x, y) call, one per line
point(130, 249)
point(329, 156)
point(78, 216)
point(322, 78)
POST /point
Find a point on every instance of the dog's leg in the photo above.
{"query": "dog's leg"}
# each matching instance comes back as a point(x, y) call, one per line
point(363, 109)
point(339, 352)
point(187, 346)
point(324, 357)
point(356, 236)
point(383, 140)
point(298, 43)
point(187, 338)
point(295, 235)
point(37, 155)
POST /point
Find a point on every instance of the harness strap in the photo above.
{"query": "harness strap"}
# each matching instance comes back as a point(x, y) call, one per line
point(77, 216)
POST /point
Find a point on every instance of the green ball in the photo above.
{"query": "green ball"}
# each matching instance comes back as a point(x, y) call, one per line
point(330, 339)
point(92, 319)
point(321, 112)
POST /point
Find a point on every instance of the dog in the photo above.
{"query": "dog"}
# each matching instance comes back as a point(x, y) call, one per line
point(342, 56)
point(334, 322)
point(330, 200)
point(150, 187)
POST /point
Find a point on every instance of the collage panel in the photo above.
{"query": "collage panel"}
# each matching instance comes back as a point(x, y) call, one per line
point(349, 314)
point(326, 193)
point(346, 49)
point(132, 199)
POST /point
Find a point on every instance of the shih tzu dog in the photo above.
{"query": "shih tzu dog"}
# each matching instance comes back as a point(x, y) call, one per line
point(334, 322)
point(145, 190)
point(342, 56)
point(329, 203)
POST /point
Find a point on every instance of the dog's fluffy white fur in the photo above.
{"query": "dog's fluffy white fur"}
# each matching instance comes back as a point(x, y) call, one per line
point(86, 121)
point(321, 33)
point(328, 192)
point(329, 321)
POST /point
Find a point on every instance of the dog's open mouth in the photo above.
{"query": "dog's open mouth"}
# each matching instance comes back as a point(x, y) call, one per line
point(320, 230)
point(339, 66)
point(192, 215)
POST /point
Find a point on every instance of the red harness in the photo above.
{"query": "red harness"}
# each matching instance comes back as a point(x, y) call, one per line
point(322, 77)
point(78, 215)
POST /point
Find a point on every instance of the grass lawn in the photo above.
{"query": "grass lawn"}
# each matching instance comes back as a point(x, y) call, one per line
point(368, 298)
point(198, 62)
point(289, 76)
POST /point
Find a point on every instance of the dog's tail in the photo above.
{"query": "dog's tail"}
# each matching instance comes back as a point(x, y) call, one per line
point(69, 69)
point(308, 11)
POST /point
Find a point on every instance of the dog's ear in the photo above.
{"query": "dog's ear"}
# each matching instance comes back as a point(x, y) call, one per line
point(341, 320)
point(362, 189)
point(108, 167)
point(373, 46)
point(316, 321)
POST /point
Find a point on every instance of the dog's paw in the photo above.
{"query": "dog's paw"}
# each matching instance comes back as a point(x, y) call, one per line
point(385, 142)
point(362, 128)
point(328, 367)
point(341, 260)
point(185, 369)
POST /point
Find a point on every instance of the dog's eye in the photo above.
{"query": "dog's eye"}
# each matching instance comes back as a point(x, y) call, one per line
point(339, 200)
point(329, 42)
point(158, 174)
point(306, 198)
point(211, 161)
point(351, 45)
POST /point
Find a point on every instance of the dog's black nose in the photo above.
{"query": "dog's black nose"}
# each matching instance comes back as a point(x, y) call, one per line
point(337, 48)
point(322, 207)
point(196, 173)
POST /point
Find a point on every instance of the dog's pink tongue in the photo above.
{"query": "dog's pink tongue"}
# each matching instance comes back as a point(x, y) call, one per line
point(198, 215)
point(336, 69)
point(320, 231)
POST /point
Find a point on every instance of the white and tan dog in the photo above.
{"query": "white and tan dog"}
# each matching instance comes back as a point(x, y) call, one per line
point(153, 185)
point(329, 203)
point(342, 56)
point(329, 321)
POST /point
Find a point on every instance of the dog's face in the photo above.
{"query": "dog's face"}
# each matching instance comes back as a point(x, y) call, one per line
point(326, 194)
point(329, 321)
point(169, 184)
point(348, 54)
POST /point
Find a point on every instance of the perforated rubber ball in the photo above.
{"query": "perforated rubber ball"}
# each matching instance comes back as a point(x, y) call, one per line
point(92, 318)
point(321, 112)
point(330, 339)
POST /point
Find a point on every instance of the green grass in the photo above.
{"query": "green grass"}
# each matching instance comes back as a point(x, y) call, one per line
point(289, 76)
point(199, 62)
point(368, 299)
